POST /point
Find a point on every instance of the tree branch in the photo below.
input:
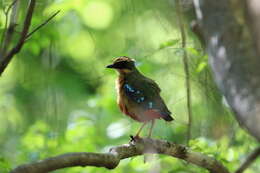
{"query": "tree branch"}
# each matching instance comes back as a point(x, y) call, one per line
point(27, 22)
point(9, 30)
point(5, 58)
point(186, 67)
point(111, 159)
point(41, 25)
point(250, 159)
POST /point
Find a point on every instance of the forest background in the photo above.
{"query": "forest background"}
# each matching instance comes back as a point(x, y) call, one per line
point(58, 97)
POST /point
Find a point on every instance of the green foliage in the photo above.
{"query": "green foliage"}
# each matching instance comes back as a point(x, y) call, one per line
point(168, 43)
point(5, 166)
point(57, 96)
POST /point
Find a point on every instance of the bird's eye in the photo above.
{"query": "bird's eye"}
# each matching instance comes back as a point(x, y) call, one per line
point(121, 65)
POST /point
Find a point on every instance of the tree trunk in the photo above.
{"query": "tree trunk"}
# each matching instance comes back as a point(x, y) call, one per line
point(234, 57)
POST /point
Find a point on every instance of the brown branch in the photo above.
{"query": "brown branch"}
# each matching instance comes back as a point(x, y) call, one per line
point(9, 30)
point(250, 159)
point(6, 12)
point(19, 45)
point(197, 30)
point(41, 25)
point(24, 36)
point(10, 6)
point(186, 67)
point(111, 159)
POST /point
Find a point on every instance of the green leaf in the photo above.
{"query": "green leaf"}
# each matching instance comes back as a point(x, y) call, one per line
point(193, 51)
point(168, 43)
point(4, 165)
point(201, 67)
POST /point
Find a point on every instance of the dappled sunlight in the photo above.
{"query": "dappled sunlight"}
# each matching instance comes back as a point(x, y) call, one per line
point(118, 129)
point(74, 45)
point(35, 137)
point(97, 14)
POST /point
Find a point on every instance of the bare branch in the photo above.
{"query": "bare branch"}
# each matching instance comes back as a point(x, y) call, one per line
point(41, 25)
point(250, 159)
point(5, 58)
point(6, 12)
point(27, 22)
point(111, 159)
point(10, 6)
point(9, 30)
point(186, 67)
point(197, 30)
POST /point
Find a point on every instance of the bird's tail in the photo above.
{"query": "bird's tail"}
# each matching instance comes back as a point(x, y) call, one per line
point(167, 116)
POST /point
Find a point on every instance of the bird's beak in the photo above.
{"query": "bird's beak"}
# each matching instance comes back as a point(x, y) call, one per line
point(110, 66)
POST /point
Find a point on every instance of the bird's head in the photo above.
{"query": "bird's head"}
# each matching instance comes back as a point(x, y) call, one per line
point(123, 65)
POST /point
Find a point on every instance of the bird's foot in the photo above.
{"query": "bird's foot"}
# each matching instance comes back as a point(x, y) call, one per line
point(134, 138)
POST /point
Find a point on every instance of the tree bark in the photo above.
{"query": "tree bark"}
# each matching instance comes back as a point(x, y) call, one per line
point(234, 59)
point(111, 160)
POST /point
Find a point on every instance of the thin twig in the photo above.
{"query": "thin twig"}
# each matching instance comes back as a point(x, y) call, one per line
point(41, 25)
point(250, 159)
point(19, 45)
point(186, 67)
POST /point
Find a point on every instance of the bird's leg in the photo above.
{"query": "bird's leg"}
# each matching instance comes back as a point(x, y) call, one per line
point(151, 129)
point(139, 131)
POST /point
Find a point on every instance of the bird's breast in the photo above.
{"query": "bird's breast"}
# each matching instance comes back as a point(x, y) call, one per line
point(122, 99)
point(120, 95)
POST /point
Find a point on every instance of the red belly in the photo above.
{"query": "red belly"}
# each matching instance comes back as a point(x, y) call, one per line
point(141, 117)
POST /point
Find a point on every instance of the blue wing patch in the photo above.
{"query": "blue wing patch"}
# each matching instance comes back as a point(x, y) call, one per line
point(150, 105)
point(137, 96)
point(128, 88)
point(134, 94)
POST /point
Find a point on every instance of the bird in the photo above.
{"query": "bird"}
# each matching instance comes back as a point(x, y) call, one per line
point(137, 95)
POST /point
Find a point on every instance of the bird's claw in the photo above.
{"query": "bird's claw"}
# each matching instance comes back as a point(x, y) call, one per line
point(134, 138)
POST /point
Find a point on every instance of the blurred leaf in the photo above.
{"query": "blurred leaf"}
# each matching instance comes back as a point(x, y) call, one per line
point(5, 165)
point(201, 67)
point(168, 43)
point(193, 51)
